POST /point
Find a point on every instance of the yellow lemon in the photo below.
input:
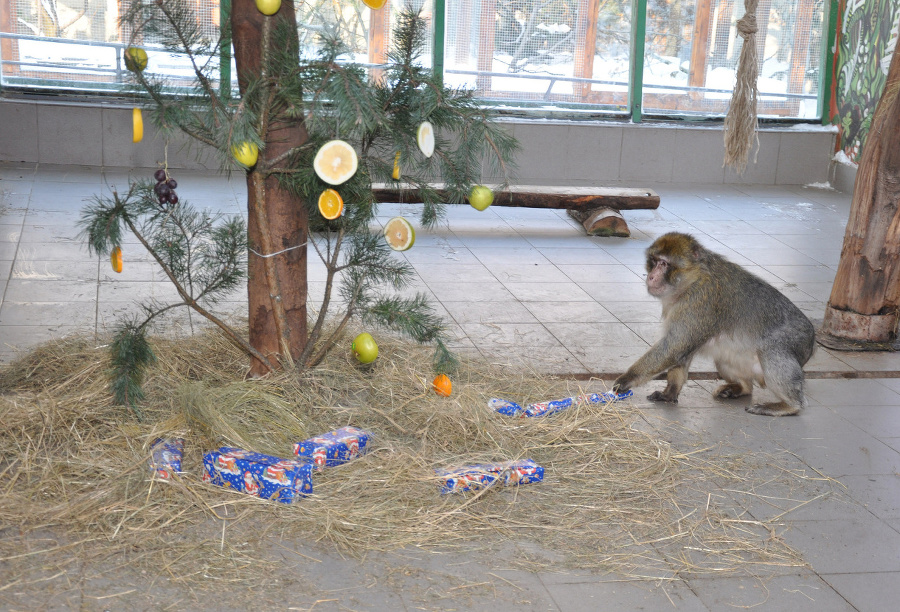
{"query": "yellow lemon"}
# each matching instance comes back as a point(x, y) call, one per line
point(137, 125)
point(135, 59)
point(268, 7)
point(335, 162)
point(246, 153)
point(331, 204)
point(399, 234)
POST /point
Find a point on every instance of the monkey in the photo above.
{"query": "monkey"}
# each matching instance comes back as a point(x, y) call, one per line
point(715, 307)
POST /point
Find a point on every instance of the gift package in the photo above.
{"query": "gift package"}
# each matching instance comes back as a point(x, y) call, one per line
point(265, 476)
point(476, 476)
point(334, 448)
point(165, 457)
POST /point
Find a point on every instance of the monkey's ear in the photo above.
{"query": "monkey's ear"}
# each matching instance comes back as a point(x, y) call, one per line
point(696, 252)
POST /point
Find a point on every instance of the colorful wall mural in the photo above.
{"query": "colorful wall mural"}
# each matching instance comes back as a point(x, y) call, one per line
point(867, 32)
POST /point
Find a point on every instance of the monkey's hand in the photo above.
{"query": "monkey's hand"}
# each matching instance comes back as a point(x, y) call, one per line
point(622, 383)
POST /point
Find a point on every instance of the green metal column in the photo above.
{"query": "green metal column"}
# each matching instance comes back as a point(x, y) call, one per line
point(437, 50)
point(225, 49)
point(636, 69)
point(829, 35)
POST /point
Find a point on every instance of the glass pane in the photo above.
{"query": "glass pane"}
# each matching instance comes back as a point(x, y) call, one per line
point(693, 47)
point(79, 44)
point(559, 53)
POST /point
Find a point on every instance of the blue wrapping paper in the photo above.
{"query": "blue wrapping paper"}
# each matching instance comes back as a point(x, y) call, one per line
point(476, 476)
point(540, 409)
point(165, 457)
point(335, 447)
point(265, 476)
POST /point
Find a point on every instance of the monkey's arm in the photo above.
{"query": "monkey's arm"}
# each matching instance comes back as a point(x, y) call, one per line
point(675, 348)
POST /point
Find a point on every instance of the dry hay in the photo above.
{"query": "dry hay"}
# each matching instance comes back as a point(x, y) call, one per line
point(615, 497)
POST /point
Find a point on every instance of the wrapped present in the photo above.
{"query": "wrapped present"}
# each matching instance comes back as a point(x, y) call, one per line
point(547, 408)
point(165, 457)
point(265, 476)
point(335, 447)
point(477, 476)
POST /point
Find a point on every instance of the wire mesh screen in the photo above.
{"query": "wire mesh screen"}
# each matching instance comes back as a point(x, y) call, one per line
point(693, 46)
point(538, 50)
point(79, 43)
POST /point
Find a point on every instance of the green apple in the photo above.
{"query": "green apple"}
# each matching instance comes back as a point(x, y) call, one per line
point(268, 7)
point(364, 348)
point(247, 153)
point(135, 59)
point(481, 197)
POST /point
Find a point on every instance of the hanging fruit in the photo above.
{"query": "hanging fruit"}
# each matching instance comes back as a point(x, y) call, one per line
point(331, 204)
point(425, 138)
point(396, 173)
point(137, 124)
point(247, 153)
point(399, 234)
point(268, 7)
point(116, 259)
point(335, 162)
point(135, 59)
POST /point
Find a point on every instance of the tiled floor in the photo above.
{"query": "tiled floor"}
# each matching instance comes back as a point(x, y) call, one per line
point(528, 285)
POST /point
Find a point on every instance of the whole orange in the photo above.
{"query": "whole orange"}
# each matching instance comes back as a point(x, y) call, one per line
point(442, 385)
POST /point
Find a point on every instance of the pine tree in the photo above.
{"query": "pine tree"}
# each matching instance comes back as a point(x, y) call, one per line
point(289, 107)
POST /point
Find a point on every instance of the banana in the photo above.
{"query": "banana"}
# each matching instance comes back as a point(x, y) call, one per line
point(138, 125)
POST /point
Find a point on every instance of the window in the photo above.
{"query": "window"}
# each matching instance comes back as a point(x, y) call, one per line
point(567, 56)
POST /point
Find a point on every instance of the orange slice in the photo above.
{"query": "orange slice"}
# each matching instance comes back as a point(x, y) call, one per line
point(399, 234)
point(442, 385)
point(375, 4)
point(331, 204)
point(116, 259)
point(335, 162)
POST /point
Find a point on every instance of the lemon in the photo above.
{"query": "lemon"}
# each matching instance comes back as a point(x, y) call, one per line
point(246, 153)
point(135, 59)
point(268, 7)
point(335, 162)
point(331, 204)
point(137, 125)
point(399, 234)
point(425, 138)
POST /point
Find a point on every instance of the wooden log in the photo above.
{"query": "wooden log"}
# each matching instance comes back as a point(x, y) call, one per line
point(602, 222)
point(864, 306)
point(534, 196)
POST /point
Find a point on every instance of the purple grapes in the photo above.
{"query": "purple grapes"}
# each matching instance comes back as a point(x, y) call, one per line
point(165, 187)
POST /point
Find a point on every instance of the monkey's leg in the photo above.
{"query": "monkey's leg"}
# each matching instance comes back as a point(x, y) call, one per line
point(737, 383)
point(784, 377)
point(675, 379)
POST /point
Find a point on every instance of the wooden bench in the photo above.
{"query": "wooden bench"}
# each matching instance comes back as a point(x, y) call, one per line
point(598, 209)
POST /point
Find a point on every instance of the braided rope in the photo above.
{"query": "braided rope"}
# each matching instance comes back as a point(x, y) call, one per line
point(741, 122)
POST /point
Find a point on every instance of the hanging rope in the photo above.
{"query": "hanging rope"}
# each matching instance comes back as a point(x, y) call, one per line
point(741, 123)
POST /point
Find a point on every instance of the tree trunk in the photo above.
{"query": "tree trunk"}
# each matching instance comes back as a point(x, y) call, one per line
point(278, 338)
point(865, 299)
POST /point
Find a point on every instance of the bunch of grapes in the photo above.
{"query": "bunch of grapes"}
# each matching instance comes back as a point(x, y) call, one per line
point(165, 187)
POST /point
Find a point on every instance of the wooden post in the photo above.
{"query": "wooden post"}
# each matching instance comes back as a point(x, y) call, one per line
point(865, 300)
point(487, 29)
point(9, 47)
point(699, 47)
point(585, 46)
point(379, 38)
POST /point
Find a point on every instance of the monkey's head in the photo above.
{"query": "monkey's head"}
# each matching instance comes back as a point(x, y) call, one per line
point(671, 263)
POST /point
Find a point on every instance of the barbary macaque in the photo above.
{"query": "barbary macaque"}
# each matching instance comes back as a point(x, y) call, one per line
point(714, 307)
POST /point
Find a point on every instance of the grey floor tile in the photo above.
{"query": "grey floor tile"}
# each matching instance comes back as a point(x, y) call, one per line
point(865, 544)
point(578, 256)
point(521, 336)
point(545, 291)
point(868, 392)
point(867, 592)
point(623, 595)
point(570, 312)
point(489, 312)
point(534, 273)
point(778, 593)
point(601, 273)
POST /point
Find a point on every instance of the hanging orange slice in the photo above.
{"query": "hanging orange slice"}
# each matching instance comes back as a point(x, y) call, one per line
point(335, 162)
point(116, 259)
point(331, 204)
point(375, 4)
point(442, 385)
point(399, 234)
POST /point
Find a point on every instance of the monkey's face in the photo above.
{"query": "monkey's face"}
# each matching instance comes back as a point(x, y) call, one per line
point(659, 276)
